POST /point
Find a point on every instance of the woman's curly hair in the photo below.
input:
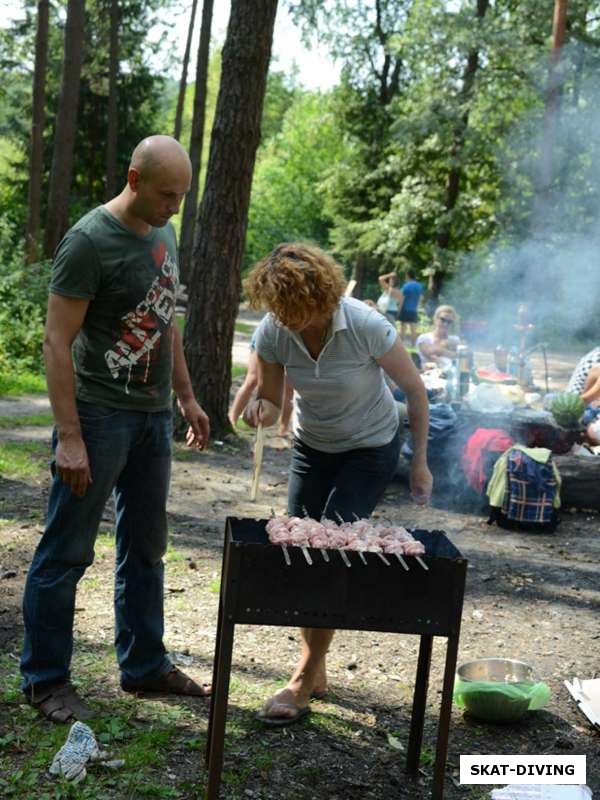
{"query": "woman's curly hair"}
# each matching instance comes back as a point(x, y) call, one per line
point(295, 281)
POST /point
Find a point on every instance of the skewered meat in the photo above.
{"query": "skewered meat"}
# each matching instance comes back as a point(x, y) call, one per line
point(360, 536)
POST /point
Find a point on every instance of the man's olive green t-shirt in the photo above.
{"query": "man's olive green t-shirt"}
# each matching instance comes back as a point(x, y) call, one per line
point(123, 353)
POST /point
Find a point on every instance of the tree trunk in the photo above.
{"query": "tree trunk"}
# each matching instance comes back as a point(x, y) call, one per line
point(455, 174)
point(221, 229)
point(65, 128)
point(543, 189)
point(36, 146)
point(184, 70)
point(113, 118)
point(190, 206)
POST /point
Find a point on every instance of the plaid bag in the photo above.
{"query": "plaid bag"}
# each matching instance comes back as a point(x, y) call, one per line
point(529, 497)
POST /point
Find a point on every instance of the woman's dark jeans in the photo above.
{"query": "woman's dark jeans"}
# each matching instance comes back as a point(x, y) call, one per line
point(347, 484)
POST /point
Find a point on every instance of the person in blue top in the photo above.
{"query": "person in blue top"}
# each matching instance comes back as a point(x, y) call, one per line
point(407, 300)
point(412, 291)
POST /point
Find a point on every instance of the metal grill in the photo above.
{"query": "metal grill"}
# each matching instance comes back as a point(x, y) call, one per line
point(258, 587)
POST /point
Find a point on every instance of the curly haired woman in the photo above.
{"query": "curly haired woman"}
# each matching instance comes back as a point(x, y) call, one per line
point(346, 440)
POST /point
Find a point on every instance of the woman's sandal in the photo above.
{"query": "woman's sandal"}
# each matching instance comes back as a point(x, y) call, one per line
point(280, 721)
point(60, 703)
point(172, 682)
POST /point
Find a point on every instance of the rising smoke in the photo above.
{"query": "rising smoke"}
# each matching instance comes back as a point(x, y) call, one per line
point(551, 263)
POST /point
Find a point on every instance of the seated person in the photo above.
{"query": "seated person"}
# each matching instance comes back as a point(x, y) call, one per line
point(585, 381)
point(439, 345)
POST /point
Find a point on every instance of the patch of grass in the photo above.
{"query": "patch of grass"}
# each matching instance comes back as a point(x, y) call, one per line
point(427, 756)
point(214, 587)
point(14, 384)
point(143, 734)
point(31, 419)
point(181, 452)
point(244, 327)
point(173, 555)
point(237, 370)
point(23, 459)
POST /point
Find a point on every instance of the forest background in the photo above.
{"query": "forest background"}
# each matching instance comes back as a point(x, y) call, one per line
point(460, 141)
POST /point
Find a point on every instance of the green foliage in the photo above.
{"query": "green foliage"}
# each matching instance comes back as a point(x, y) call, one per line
point(23, 295)
point(23, 459)
point(140, 98)
point(287, 197)
point(17, 383)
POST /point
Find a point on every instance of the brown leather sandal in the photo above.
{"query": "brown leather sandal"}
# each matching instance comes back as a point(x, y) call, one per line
point(172, 682)
point(60, 703)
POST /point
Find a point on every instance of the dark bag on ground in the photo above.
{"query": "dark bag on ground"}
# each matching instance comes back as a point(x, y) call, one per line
point(529, 495)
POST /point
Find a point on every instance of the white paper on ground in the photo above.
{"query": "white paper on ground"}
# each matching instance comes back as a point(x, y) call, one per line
point(526, 791)
point(587, 696)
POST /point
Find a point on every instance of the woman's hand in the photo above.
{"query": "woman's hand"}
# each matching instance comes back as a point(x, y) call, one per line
point(261, 411)
point(421, 482)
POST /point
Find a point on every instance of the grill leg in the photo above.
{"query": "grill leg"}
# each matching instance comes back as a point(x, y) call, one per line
point(444, 723)
point(417, 720)
point(218, 709)
point(216, 662)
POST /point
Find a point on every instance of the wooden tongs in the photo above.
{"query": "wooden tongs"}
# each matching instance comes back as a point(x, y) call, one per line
point(258, 455)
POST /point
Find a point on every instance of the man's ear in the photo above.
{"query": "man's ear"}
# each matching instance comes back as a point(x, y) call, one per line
point(133, 178)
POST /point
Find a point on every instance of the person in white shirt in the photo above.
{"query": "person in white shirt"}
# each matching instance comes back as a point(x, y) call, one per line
point(346, 443)
point(439, 345)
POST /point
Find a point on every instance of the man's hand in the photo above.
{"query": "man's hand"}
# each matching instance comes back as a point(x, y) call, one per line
point(421, 483)
point(72, 465)
point(261, 411)
point(199, 431)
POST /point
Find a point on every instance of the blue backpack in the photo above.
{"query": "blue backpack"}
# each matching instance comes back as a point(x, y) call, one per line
point(528, 502)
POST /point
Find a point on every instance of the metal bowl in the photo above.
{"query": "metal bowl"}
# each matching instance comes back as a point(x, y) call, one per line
point(490, 705)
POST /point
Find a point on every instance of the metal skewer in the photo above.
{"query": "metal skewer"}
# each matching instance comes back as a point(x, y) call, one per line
point(344, 557)
point(384, 559)
point(306, 555)
point(362, 557)
point(340, 518)
point(323, 552)
point(286, 555)
point(402, 561)
point(422, 563)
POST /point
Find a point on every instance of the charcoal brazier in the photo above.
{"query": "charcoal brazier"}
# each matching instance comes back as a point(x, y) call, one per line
point(259, 588)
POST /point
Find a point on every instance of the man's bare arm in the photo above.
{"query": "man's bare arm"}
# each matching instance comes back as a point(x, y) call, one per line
point(64, 321)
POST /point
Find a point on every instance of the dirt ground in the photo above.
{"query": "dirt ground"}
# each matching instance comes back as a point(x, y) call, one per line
point(531, 597)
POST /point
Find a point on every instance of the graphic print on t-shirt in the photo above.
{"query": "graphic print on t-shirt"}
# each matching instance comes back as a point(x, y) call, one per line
point(142, 328)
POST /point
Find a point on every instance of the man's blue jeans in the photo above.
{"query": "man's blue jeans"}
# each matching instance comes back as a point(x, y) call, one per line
point(129, 453)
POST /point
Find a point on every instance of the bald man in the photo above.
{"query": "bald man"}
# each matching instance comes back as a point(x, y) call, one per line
point(113, 355)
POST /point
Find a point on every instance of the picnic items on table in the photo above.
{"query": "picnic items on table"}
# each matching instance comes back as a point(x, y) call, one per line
point(587, 696)
point(258, 455)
